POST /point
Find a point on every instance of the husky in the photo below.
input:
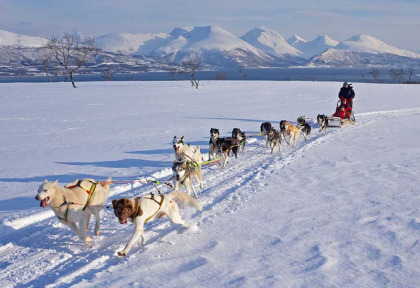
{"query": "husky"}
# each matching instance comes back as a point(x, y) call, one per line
point(290, 132)
point(225, 145)
point(306, 131)
point(322, 123)
point(149, 207)
point(213, 149)
point(274, 139)
point(265, 129)
point(306, 127)
point(184, 173)
point(185, 152)
point(240, 137)
point(282, 125)
point(74, 204)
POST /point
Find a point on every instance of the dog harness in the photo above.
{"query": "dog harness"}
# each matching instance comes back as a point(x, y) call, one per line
point(64, 218)
point(191, 165)
point(140, 212)
point(89, 192)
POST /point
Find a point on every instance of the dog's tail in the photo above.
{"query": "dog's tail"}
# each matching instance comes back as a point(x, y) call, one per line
point(185, 199)
point(106, 183)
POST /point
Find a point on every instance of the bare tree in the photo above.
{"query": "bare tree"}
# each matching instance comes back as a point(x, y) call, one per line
point(172, 72)
point(191, 65)
point(374, 73)
point(397, 74)
point(70, 53)
point(242, 72)
point(180, 73)
point(410, 72)
point(58, 72)
point(46, 66)
point(108, 75)
point(220, 76)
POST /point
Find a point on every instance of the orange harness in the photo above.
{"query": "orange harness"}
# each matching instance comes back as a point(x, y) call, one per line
point(89, 192)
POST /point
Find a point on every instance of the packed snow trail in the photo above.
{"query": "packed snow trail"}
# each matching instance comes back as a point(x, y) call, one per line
point(54, 250)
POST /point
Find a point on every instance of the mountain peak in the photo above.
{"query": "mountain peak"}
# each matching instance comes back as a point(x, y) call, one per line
point(178, 31)
point(327, 40)
point(125, 42)
point(295, 39)
point(270, 41)
point(368, 44)
point(13, 39)
point(316, 46)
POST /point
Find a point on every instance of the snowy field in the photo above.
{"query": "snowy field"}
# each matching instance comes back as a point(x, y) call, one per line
point(338, 210)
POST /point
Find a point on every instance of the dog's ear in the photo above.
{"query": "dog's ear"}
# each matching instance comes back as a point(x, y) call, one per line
point(182, 138)
point(114, 203)
point(55, 183)
point(45, 181)
point(127, 203)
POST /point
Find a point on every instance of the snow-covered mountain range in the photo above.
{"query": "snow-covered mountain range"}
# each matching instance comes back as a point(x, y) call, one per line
point(368, 44)
point(13, 39)
point(219, 48)
point(213, 44)
point(316, 46)
point(125, 42)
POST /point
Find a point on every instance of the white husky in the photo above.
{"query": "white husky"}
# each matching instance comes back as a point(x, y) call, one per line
point(75, 203)
point(185, 152)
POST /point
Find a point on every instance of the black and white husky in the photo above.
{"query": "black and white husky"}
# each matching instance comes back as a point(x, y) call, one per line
point(225, 145)
point(265, 129)
point(213, 149)
point(322, 123)
point(274, 139)
point(306, 127)
point(306, 131)
point(184, 152)
point(241, 138)
point(184, 174)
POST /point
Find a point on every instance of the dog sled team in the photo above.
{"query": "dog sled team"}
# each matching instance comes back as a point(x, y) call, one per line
point(75, 203)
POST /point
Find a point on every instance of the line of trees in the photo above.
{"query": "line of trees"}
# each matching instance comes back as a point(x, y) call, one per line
point(395, 74)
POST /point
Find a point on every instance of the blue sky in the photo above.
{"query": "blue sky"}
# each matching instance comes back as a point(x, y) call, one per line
point(394, 22)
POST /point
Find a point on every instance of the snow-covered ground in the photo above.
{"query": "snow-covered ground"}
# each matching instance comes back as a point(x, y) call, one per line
point(339, 210)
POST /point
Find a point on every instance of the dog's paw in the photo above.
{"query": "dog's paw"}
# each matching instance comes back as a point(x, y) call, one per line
point(123, 254)
point(88, 241)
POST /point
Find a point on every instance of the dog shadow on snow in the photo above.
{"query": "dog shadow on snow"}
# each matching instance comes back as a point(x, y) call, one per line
point(273, 122)
point(24, 203)
point(233, 119)
point(170, 151)
point(62, 178)
point(18, 203)
point(123, 163)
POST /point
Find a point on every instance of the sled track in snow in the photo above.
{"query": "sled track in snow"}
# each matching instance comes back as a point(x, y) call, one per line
point(48, 254)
